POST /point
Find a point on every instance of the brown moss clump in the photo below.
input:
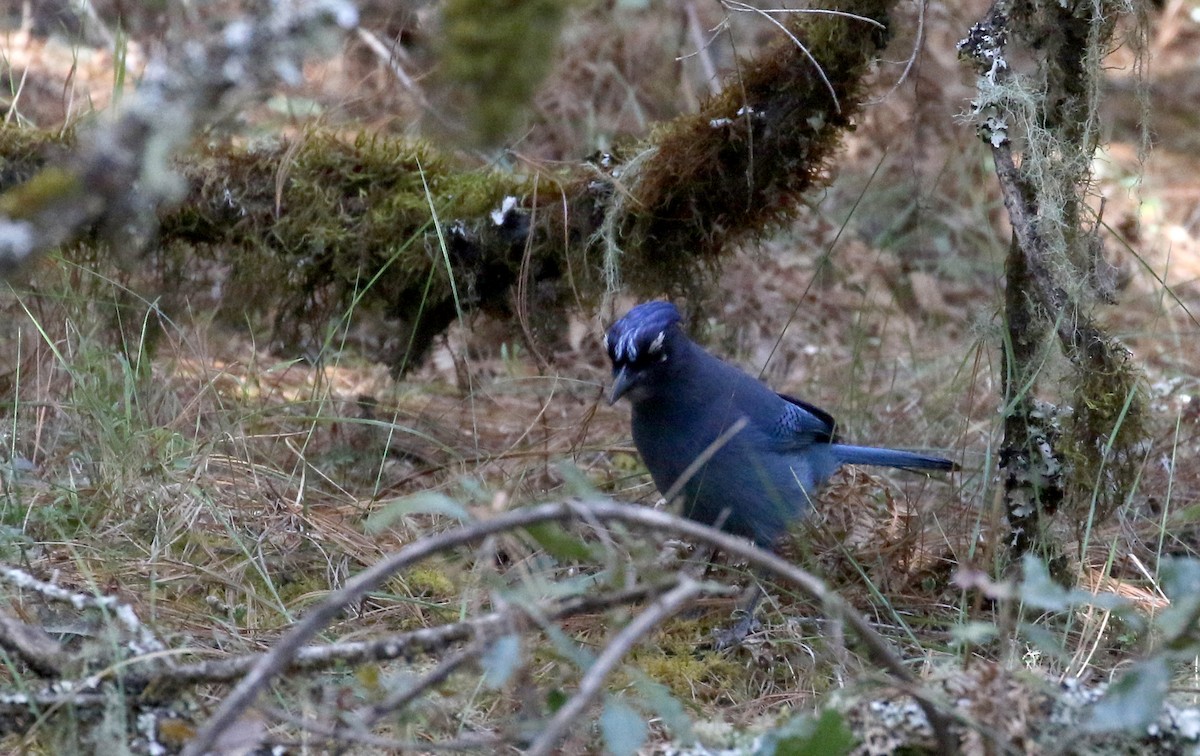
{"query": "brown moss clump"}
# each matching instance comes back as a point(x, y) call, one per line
point(738, 168)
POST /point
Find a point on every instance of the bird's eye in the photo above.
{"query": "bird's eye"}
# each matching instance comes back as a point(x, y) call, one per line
point(645, 358)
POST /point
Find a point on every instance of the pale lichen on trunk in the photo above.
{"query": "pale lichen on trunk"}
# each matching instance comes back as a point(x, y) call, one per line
point(1040, 119)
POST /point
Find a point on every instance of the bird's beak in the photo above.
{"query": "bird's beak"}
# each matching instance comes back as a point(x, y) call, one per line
point(621, 384)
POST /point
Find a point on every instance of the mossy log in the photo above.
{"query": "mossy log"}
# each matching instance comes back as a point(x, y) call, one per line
point(323, 228)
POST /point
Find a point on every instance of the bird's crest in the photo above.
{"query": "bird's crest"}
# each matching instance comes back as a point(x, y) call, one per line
point(642, 331)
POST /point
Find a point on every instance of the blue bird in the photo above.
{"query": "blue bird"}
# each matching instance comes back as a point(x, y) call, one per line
point(742, 457)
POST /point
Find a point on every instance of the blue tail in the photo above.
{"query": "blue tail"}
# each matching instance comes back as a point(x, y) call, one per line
point(868, 455)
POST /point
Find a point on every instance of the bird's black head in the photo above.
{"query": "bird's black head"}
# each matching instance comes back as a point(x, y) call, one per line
point(640, 345)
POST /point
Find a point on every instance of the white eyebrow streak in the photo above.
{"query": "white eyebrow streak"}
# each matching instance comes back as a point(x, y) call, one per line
point(627, 346)
point(657, 344)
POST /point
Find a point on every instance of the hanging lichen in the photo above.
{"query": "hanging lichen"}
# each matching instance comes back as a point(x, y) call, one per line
point(1040, 119)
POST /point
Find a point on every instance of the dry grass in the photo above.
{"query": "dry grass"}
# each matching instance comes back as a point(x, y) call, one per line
point(222, 490)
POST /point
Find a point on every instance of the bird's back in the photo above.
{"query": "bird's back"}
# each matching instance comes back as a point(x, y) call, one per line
point(739, 455)
point(757, 480)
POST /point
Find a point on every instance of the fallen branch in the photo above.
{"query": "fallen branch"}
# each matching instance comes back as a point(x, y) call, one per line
point(287, 648)
point(593, 682)
point(400, 645)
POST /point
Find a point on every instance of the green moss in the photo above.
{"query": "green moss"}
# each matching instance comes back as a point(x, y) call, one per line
point(317, 230)
point(674, 662)
point(47, 190)
point(1104, 435)
point(430, 582)
point(700, 678)
point(300, 589)
point(25, 151)
point(494, 55)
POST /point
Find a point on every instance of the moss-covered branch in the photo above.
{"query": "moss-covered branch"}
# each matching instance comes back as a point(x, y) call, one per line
point(311, 230)
point(115, 176)
point(738, 168)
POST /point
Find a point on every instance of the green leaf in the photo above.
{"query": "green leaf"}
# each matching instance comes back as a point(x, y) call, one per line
point(425, 502)
point(623, 729)
point(558, 543)
point(500, 660)
point(658, 698)
point(555, 699)
point(1134, 701)
point(826, 735)
point(1038, 589)
point(1180, 577)
point(1181, 583)
point(973, 633)
point(1044, 640)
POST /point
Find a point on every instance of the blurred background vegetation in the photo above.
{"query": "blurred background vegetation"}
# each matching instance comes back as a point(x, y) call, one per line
point(175, 433)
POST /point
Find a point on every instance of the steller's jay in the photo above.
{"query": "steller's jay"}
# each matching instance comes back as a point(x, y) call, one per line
point(742, 457)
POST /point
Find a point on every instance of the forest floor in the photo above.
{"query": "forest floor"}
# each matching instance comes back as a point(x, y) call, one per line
point(221, 489)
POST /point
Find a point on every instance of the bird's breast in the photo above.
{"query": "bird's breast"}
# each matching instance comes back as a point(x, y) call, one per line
point(737, 481)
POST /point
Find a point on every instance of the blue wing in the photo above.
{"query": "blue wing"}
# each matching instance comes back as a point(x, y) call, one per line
point(803, 424)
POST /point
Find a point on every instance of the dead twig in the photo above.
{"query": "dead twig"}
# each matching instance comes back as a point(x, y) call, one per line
point(37, 649)
point(592, 683)
point(399, 645)
point(283, 654)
